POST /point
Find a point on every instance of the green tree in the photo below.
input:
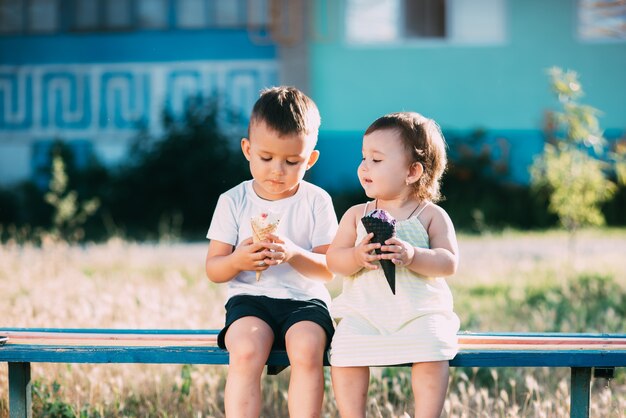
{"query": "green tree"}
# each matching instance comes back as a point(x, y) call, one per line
point(173, 181)
point(576, 171)
point(69, 214)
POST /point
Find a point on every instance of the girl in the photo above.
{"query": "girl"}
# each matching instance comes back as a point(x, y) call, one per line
point(404, 157)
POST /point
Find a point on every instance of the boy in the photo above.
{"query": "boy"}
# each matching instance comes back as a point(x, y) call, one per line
point(287, 306)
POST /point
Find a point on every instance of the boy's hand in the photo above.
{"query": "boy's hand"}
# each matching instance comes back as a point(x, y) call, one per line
point(400, 252)
point(251, 256)
point(281, 249)
point(363, 252)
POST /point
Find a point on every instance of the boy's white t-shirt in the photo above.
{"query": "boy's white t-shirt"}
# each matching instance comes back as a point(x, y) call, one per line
point(307, 218)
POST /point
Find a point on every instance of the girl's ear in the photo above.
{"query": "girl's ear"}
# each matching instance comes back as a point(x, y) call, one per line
point(315, 155)
point(245, 148)
point(415, 172)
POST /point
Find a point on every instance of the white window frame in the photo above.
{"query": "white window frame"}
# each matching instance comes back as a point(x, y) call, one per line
point(452, 38)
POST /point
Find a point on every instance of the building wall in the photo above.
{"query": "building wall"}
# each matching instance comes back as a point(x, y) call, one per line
point(103, 87)
point(501, 87)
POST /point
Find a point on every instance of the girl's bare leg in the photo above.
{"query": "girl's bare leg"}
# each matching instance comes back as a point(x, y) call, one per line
point(249, 341)
point(430, 384)
point(305, 342)
point(350, 387)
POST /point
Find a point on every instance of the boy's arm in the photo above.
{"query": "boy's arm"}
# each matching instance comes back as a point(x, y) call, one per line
point(311, 264)
point(342, 256)
point(222, 263)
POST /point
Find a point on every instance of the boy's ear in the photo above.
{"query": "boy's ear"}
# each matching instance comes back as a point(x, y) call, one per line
point(415, 172)
point(315, 155)
point(245, 148)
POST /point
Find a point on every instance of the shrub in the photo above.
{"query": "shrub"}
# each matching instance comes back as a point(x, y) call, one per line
point(174, 182)
point(573, 169)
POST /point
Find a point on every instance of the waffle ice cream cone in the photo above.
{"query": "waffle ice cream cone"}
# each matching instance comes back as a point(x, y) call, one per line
point(383, 225)
point(262, 225)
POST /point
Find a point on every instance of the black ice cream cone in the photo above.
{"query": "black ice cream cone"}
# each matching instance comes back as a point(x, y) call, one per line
point(383, 230)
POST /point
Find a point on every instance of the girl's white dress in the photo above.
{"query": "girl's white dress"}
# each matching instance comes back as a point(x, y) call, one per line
point(378, 328)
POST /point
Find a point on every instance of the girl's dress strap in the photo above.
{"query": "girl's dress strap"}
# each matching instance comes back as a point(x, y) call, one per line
point(365, 208)
point(423, 206)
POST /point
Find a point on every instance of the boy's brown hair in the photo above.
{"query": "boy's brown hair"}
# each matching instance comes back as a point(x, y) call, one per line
point(287, 111)
point(424, 143)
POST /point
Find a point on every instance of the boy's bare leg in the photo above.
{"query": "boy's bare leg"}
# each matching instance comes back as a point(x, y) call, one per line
point(430, 384)
point(249, 341)
point(305, 342)
point(350, 388)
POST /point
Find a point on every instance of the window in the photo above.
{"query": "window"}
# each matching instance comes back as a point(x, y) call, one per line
point(87, 14)
point(602, 20)
point(216, 13)
point(425, 19)
point(401, 21)
point(191, 13)
point(152, 13)
point(228, 12)
point(257, 13)
point(43, 15)
point(35, 16)
point(11, 16)
point(93, 15)
point(117, 14)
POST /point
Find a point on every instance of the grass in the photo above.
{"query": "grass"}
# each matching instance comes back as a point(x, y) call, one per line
point(509, 281)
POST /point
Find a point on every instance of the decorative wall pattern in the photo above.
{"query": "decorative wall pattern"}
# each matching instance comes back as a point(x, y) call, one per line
point(100, 101)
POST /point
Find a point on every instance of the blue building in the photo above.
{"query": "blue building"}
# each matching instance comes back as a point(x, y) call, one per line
point(91, 72)
point(468, 64)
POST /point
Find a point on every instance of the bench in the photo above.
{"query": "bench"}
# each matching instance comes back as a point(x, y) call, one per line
point(585, 354)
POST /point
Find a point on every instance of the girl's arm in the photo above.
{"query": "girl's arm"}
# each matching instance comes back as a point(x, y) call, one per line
point(222, 263)
point(440, 260)
point(343, 256)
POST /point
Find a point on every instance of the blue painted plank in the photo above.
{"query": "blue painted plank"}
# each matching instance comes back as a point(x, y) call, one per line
point(540, 358)
point(215, 355)
point(64, 354)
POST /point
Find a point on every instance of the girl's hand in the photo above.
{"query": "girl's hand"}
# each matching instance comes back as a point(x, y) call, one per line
point(250, 256)
point(400, 252)
point(364, 253)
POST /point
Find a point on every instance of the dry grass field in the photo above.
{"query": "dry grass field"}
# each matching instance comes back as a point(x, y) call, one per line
point(507, 282)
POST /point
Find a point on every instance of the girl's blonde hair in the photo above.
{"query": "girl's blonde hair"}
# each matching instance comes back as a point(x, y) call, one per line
point(424, 143)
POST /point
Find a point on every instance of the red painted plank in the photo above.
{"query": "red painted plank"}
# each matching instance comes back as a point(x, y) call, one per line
point(160, 339)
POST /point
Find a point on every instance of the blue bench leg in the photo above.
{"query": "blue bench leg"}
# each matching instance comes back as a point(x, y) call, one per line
point(20, 394)
point(580, 388)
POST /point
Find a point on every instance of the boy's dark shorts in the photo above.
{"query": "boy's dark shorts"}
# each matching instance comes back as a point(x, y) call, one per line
point(279, 314)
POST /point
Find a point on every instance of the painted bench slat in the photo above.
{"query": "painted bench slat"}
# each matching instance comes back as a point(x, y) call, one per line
point(214, 355)
point(161, 338)
point(180, 347)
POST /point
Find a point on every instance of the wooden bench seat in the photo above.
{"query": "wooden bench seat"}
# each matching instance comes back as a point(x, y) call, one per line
point(581, 352)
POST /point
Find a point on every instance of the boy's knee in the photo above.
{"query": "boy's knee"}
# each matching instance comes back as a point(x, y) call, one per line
point(307, 349)
point(247, 354)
